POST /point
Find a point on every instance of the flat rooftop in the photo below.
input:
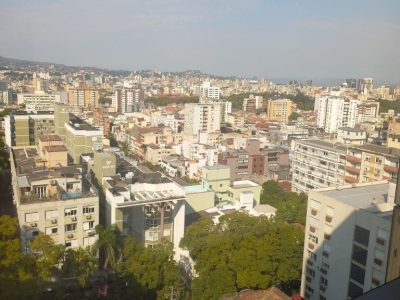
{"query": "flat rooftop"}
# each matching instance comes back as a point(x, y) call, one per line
point(79, 124)
point(325, 145)
point(372, 197)
point(50, 138)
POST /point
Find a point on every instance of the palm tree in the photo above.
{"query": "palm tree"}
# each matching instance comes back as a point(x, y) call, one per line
point(109, 244)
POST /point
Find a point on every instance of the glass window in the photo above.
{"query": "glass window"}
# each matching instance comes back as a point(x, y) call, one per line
point(354, 290)
point(70, 212)
point(361, 235)
point(357, 273)
point(88, 210)
point(70, 227)
point(360, 255)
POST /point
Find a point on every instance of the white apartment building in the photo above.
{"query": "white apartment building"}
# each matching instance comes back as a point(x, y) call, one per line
point(334, 112)
point(317, 164)
point(202, 117)
point(346, 240)
point(354, 136)
point(150, 213)
point(38, 101)
point(208, 91)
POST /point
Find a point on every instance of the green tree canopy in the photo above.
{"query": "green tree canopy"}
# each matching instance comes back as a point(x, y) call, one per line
point(291, 207)
point(242, 252)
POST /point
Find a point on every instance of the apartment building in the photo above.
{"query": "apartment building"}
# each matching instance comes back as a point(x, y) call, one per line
point(156, 153)
point(346, 240)
point(368, 163)
point(252, 160)
point(83, 96)
point(81, 138)
point(317, 164)
point(208, 91)
point(202, 117)
point(334, 112)
point(124, 100)
point(280, 110)
point(39, 101)
point(23, 128)
point(52, 197)
point(349, 135)
point(252, 103)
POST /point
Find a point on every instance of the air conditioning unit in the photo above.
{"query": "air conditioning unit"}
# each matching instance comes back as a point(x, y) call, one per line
point(91, 233)
point(73, 218)
point(33, 224)
point(54, 221)
point(88, 217)
point(70, 235)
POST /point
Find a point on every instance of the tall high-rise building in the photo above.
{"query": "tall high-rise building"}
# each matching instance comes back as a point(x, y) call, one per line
point(38, 101)
point(208, 91)
point(252, 103)
point(346, 240)
point(124, 100)
point(334, 112)
point(280, 109)
point(83, 97)
point(351, 83)
point(202, 117)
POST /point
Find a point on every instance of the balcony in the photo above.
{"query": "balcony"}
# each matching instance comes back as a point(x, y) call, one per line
point(353, 159)
point(390, 169)
point(353, 170)
point(350, 179)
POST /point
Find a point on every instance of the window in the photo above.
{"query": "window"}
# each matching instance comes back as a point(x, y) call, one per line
point(32, 217)
point(323, 280)
point(357, 273)
point(51, 230)
point(381, 236)
point(313, 238)
point(379, 257)
point(51, 214)
point(327, 236)
point(354, 290)
point(88, 225)
point(70, 212)
point(88, 210)
point(361, 235)
point(87, 241)
point(360, 255)
point(70, 227)
point(71, 243)
point(35, 233)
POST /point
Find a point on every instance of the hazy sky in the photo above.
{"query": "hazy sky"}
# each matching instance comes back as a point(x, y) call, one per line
point(276, 38)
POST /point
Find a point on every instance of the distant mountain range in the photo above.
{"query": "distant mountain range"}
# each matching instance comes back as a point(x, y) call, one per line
point(22, 64)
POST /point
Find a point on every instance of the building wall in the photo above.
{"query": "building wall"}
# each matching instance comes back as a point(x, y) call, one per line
point(42, 223)
point(336, 264)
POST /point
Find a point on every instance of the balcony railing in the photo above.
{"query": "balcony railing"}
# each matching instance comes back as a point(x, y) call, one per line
point(353, 159)
point(353, 170)
point(390, 169)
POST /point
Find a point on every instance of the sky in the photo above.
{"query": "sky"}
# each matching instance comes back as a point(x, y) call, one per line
point(275, 39)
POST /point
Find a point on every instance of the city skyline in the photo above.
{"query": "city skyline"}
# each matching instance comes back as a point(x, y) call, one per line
point(242, 39)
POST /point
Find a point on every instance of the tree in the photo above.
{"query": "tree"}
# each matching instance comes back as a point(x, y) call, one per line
point(17, 275)
point(242, 252)
point(291, 207)
point(79, 263)
point(47, 254)
point(294, 116)
point(109, 244)
point(152, 269)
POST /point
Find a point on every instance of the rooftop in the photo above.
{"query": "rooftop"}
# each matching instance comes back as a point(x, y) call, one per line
point(372, 197)
point(50, 138)
point(79, 124)
point(377, 149)
point(324, 145)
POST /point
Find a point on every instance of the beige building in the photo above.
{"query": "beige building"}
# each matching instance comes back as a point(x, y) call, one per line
point(370, 163)
point(52, 198)
point(155, 153)
point(280, 110)
point(83, 97)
